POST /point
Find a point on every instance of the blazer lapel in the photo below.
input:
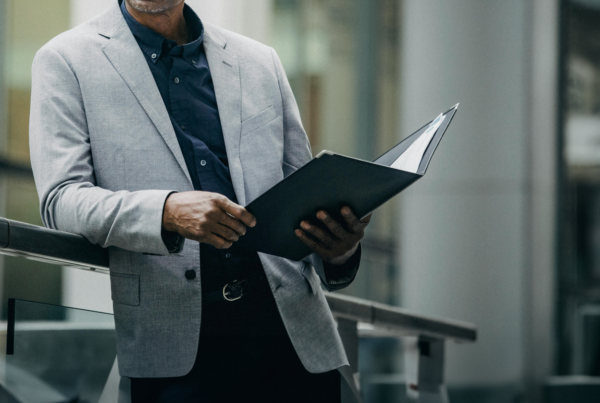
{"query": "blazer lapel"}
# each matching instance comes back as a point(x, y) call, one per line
point(126, 56)
point(225, 71)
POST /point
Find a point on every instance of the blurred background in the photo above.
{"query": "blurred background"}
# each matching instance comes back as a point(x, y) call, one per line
point(503, 232)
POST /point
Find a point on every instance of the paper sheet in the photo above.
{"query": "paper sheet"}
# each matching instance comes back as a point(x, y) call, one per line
point(411, 158)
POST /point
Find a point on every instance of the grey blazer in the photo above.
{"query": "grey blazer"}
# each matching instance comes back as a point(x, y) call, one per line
point(105, 157)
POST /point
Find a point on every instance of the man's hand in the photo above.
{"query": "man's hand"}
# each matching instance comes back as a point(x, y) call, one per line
point(340, 242)
point(206, 217)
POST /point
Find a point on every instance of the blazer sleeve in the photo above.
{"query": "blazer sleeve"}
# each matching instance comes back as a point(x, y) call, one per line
point(296, 153)
point(63, 168)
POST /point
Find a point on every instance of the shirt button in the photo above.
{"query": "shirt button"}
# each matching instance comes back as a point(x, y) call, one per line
point(203, 162)
point(153, 55)
point(190, 274)
point(228, 255)
point(176, 80)
point(182, 127)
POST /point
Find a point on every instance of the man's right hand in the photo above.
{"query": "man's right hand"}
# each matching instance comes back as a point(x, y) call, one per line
point(206, 217)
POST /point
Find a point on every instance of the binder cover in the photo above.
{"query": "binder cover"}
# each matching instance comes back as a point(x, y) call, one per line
point(329, 182)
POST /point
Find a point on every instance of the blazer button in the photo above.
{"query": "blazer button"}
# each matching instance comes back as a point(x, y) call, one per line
point(190, 274)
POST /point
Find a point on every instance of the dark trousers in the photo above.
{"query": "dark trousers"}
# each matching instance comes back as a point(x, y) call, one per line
point(244, 355)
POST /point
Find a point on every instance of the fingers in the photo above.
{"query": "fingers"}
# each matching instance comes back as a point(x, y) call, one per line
point(325, 239)
point(338, 242)
point(212, 239)
point(217, 241)
point(311, 243)
point(206, 217)
point(353, 223)
point(365, 221)
point(224, 232)
point(335, 227)
point(237, 211)
point(234, 224)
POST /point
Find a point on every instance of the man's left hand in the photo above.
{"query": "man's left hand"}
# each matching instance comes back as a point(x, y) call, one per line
point(339, 243)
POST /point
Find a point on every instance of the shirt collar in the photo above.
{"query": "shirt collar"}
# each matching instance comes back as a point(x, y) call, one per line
point(155, 45)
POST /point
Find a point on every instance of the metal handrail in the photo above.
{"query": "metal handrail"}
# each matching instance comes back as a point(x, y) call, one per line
point(398, 320)
point(57, 247)
point(51, 246)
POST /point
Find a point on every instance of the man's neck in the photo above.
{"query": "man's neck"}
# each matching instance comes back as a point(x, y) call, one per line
point(170, 24)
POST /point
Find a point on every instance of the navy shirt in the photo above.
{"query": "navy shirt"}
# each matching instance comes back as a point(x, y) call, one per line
point(183, 78)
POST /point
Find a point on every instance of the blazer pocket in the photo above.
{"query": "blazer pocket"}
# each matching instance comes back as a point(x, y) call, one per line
point(125, 288)
point(259, 120)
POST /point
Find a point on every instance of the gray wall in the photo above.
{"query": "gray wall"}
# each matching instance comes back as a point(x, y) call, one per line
point(3, 122)
point(466, 228)
point(3, 94)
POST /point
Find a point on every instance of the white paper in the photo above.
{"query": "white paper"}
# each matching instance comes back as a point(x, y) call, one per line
point(410, 159)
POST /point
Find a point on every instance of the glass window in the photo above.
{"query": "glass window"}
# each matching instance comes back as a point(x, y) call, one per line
point(579, 274)
point(57, 354)
point(25, 27)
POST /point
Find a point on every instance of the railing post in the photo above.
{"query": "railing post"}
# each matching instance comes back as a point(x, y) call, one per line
point(424, 361)
point(348, 330)
point(349, 333)
point(117, 389)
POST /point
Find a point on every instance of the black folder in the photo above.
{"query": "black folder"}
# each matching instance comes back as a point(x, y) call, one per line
point(329, 182)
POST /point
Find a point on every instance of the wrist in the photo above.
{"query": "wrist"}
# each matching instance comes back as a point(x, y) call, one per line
point(168, 218)
point(340, 260)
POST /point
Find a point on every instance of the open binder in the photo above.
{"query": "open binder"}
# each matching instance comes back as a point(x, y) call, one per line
point(331, 181)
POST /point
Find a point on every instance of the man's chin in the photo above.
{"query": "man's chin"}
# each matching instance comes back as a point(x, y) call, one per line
point(153, 6)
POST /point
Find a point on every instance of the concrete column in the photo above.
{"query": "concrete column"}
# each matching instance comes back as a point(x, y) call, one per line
point(83, 10)
point(467, 243)
point(3, 121)
point(3, 94)
point(250, 18)
point(542, 194)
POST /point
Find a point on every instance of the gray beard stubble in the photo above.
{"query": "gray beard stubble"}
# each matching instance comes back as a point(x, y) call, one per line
point(152, 8)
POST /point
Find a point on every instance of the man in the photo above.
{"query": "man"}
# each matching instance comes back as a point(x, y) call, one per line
point(148, 128)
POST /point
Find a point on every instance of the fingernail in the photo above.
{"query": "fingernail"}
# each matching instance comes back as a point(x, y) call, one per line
point(305, 225)
point(253, 223)
point(321, 215)
point(298, 232)
point(346, 210)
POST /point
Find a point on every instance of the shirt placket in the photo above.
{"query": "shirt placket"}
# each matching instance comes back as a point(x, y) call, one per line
point(178, 93)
